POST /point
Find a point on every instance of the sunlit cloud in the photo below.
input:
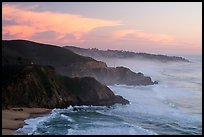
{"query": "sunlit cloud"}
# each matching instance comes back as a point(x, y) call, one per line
point(29, 22)
point(129, 39)
point(26, 22)
point(20, 31)
point(131, 34)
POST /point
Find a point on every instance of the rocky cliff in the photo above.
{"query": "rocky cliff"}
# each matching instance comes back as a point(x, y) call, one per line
point(68, 63)
point(38, 86)
point(111, 76)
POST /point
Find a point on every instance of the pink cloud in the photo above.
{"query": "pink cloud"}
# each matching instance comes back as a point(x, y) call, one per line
point(131, 34)
point(129, 39)
point(20, 31)
point(64, 28)
point(31, 22)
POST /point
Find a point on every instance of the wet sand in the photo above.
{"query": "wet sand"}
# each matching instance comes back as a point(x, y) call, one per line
point(13, 118)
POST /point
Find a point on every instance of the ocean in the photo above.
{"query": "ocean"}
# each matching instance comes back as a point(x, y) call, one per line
point(174, 106)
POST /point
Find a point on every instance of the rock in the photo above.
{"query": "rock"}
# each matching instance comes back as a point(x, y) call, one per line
point(76, 109)
point(111, 76)
point(156, 82)
point(40, 86)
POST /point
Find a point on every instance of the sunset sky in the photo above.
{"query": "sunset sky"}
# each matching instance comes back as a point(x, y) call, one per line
point(161, 28)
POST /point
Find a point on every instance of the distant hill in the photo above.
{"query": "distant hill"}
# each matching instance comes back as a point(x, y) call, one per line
point(68, 63)
point(96, 54)
point(40, 86)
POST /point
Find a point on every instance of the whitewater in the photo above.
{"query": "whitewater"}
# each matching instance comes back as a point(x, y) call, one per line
point(174, 106)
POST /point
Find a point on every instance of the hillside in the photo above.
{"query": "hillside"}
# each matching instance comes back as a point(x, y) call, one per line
point(68, 63)
point(38, 86)
point(96, 54)
point(38, 53)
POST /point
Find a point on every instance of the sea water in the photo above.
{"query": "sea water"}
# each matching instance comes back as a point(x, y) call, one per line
point(174, 106)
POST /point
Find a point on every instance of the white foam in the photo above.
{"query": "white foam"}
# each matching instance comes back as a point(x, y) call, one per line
point(31, 125)
point(67, 118)
point(108, 128)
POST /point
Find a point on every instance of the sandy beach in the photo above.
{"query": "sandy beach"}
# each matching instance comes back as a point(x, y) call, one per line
point(13, 118)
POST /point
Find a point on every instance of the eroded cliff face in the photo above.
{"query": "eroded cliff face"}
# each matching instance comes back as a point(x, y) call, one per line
point(107, 75)
point(68, 63)
point(38, 86)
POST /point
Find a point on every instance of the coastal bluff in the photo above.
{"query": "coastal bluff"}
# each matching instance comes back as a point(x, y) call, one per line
point(41, 86)
point(68, 63)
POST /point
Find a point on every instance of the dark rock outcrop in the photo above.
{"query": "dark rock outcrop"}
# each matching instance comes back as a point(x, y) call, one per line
point(111, 76)
point(68, 63)
point(38, 86)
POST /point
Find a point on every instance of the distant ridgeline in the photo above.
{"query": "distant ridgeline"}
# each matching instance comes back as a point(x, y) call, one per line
point(96, 53)
point(68, 63)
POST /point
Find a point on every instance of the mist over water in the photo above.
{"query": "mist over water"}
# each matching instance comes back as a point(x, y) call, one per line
point(174, 106)
point(178, 81)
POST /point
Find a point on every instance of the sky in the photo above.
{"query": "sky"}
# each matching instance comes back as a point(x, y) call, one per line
point(171, 28)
